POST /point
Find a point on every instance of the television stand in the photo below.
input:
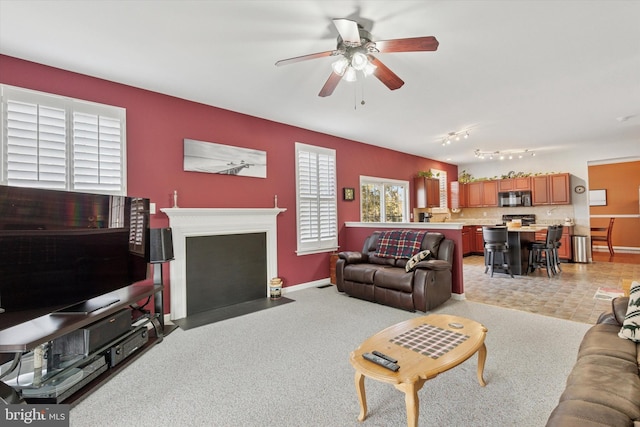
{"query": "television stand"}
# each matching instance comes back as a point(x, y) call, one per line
point(86, 307)
point(31, 334)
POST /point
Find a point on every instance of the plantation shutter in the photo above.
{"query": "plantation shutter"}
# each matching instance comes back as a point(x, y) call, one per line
point(36, 145)
point(97, 149)
point(55, 142)
point(316, 201)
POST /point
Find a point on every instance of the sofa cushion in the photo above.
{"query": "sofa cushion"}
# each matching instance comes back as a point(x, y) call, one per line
point(603, 340)
point(432, 242)
point(411, 263)
point(579, 413)
point(361, 273)
point(374, 259)
point(394, 278)
point(619, 308)
point(606, 381)
point(399, 243)
point(631, 326)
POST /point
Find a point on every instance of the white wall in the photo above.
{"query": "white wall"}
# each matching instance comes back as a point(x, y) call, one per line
point(574, 161)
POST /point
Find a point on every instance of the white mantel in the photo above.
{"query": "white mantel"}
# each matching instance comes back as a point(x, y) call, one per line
point(195, 222)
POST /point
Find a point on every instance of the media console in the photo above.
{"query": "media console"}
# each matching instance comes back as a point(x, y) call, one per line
point(94, 346)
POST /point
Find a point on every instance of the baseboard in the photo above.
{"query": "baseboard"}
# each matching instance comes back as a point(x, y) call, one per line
point(619, 249)
point(307, 285)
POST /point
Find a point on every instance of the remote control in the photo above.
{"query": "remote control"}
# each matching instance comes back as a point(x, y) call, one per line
point(380, 361)
point(384, 356)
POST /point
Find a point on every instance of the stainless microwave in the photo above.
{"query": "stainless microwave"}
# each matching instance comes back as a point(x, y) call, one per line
point(514, 198)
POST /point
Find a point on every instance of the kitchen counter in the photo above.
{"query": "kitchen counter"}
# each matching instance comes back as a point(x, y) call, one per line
point(527, 228)
point(399, 225)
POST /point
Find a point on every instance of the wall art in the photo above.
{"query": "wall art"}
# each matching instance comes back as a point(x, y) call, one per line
point(210, 157)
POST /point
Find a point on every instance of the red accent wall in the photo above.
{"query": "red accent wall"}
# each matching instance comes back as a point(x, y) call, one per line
point(157, 125)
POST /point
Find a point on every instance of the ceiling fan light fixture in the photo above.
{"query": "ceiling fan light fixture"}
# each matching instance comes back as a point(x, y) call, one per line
point(340, 66)
point(350, 74)
point(359, 61)
point(369, 69)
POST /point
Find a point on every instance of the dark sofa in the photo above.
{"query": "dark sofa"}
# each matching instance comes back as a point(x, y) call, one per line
point(384, 280)
point(603, 388)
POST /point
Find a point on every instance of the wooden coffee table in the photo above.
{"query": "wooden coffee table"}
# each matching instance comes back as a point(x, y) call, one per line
point(424, 347)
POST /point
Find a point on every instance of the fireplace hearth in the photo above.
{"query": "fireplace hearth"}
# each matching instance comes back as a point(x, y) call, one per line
point(192, 287)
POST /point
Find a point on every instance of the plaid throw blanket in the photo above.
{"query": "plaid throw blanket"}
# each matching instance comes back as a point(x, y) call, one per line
point(399, 243)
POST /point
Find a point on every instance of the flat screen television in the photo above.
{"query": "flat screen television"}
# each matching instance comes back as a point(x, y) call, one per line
point(61, 248)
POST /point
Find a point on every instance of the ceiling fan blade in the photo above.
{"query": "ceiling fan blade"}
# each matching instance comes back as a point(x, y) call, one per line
point(348, 30)
point(330, 85)
point(305, 57)
point(385, 75)
point(416, 44)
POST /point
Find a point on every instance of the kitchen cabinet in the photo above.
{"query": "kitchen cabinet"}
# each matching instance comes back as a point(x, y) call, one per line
point(459, 194)
point(478, 244)
point(515, 184)
point(551, 189)
point(427, 192)
point(482, 193)
point(468, 233)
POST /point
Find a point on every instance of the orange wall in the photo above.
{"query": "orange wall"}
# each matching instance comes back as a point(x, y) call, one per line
point(622, 182)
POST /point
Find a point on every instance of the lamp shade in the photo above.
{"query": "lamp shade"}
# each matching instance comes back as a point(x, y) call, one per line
point(161, 244)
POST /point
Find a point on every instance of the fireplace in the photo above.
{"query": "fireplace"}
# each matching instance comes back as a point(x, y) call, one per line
point(188, 225)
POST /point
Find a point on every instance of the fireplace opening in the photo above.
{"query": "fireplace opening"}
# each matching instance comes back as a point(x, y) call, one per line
point(224, 270)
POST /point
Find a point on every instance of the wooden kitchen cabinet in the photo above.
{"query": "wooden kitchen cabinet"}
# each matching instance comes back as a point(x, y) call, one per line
point(427, 192)
point(478, 246)
point(468, 233)
point(551, 189)
point(482, 193)
point(458, 192)
point(515, 184)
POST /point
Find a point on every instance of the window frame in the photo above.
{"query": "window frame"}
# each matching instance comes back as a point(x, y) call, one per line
point(327, 242)
point(71, 107)
point(383, 182)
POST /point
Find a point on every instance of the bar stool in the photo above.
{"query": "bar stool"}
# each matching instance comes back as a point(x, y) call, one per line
point(541, 253)
point(556, 245)
point(495, 241)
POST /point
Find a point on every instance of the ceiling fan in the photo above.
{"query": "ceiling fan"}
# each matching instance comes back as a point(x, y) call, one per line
point(355, 49)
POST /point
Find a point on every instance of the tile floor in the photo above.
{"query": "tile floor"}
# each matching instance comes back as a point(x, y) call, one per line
point(569, 295)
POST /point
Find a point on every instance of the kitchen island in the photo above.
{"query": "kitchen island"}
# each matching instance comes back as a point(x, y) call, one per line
point(519, 239)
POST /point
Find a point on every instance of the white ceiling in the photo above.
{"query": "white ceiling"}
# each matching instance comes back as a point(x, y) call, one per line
point(538, 75)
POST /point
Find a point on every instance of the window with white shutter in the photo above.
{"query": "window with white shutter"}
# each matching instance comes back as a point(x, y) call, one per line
point(383, 200)
point(316, 205)
point(55, 142)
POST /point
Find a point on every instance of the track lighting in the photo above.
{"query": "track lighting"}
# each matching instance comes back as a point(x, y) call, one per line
point(509, 154)
point(454, 136)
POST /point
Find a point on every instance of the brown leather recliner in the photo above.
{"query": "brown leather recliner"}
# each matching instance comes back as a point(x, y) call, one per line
point(367, 276)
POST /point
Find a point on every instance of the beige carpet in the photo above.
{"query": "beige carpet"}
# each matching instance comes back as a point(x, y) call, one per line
point(289, 366)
